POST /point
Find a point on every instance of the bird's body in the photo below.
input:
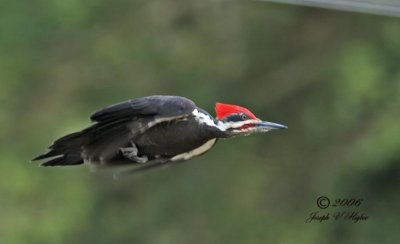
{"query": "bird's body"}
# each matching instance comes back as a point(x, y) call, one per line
point(151, 131)
point(163, 140)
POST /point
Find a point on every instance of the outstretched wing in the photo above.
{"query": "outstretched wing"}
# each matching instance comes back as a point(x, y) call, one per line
point(114, 127)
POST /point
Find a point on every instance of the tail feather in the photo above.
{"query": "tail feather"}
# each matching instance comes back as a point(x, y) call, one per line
point(65, 151)
point(99, 143)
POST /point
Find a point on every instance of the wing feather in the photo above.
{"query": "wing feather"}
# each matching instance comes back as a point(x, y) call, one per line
point(114, 127)
point(160, 106)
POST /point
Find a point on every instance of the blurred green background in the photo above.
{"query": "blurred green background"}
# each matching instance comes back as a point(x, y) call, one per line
point(332, 77)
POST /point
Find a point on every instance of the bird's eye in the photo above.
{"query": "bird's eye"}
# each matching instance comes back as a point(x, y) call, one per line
point(244, 117)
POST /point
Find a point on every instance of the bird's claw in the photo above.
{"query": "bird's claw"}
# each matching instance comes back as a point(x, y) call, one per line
point(131, 153)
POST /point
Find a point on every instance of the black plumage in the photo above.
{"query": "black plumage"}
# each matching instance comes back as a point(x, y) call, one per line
point(161, 127)
point(151, 131)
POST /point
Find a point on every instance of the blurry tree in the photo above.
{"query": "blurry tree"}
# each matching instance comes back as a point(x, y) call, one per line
point(333, 77)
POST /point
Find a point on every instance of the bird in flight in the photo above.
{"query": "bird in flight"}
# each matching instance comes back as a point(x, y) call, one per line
point(152, 131)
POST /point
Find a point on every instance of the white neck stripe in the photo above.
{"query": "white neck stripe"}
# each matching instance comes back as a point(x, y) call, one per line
point(205, 119)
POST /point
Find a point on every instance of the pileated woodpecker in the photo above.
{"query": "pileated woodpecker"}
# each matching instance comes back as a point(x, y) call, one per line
point(152, 131)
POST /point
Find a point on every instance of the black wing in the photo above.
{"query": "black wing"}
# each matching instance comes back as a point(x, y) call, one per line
point(113, 128)
point(159, 106)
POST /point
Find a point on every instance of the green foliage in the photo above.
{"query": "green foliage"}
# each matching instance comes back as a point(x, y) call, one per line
point(332, 77)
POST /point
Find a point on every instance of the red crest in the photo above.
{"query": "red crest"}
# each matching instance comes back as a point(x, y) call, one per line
point(224, 110)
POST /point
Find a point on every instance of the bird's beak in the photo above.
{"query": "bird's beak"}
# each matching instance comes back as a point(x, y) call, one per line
point(265, 125)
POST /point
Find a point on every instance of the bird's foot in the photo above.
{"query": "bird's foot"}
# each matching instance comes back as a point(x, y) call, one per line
point(131, 153)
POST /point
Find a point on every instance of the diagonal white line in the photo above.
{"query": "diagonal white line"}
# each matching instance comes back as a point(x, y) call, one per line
point(386, 8)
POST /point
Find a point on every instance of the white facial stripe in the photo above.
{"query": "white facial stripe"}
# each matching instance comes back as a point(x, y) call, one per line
point(240, 123)
point(223, 126)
